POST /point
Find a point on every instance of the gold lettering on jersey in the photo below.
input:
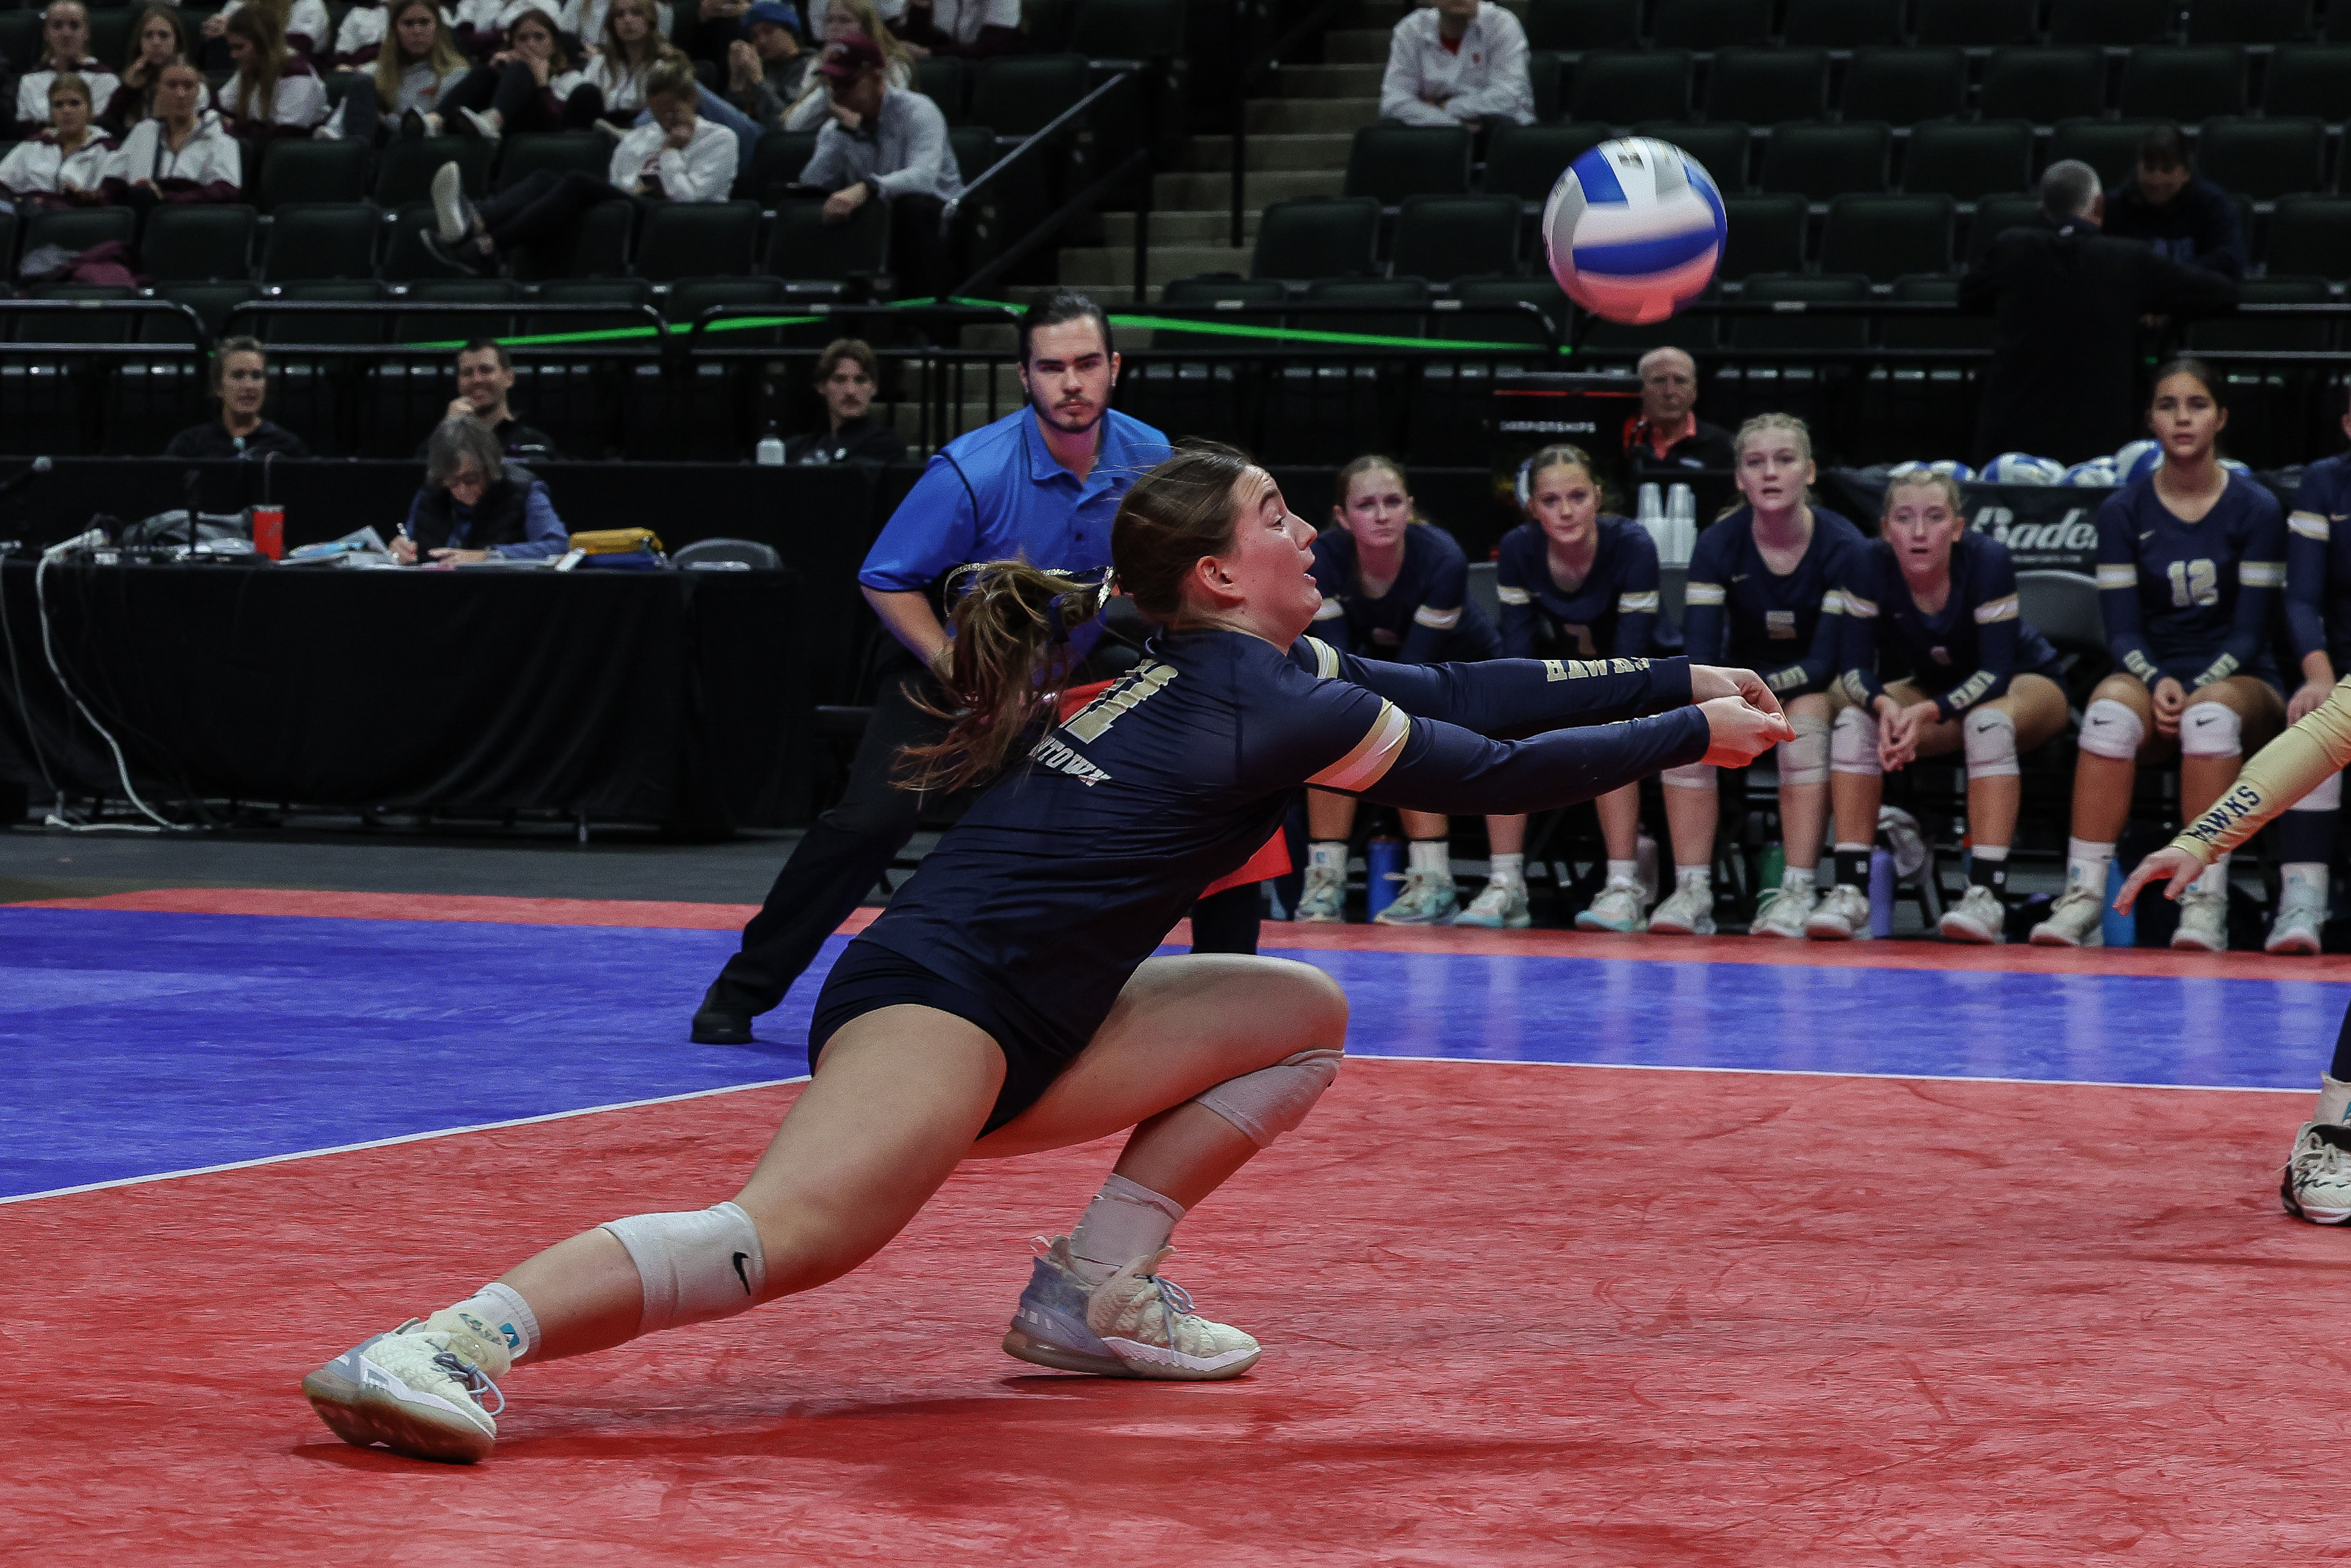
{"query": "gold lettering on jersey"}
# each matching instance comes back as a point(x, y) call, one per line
point(1588, 669)
point(1103, 712)
point(1062, 760)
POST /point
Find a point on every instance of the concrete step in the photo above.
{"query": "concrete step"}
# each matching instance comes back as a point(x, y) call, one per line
point(1213, 227)
point(1329, 82)
point(1356, 46)
point(1201, 192)
point(1087, 268)
point(1294, 116)
point(1207, 154)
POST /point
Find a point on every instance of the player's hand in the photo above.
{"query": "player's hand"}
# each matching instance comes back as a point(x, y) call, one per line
point(2170, 699)
point(1710, 681)
point(403, 549)
point(2176, 865)
point(2307, 698)
point(1738, 732)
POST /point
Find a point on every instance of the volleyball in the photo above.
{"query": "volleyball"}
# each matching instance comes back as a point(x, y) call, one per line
point(1634, 229)
point(1949, 467)
point(2136, 459)
point(2097, 473)
point(2024, 468)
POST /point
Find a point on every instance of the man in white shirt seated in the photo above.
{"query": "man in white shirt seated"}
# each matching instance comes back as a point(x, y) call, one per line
point(1458, 62)
point(886, 144)
point(680, 157)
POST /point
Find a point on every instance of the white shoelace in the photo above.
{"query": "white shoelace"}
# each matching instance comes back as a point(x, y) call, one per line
point(475, 1379)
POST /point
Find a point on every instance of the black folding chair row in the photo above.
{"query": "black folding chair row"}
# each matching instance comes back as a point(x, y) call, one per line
point(1577, 25)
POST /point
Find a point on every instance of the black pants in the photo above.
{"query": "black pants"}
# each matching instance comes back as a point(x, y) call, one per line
point(543, 208)
point(919, 259)
point(845, 853)
point(520, 101)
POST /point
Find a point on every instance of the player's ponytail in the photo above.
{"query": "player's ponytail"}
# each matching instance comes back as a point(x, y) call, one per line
point(1010, 652)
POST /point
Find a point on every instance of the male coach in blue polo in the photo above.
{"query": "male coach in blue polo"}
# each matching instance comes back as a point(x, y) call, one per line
point(1044, 481)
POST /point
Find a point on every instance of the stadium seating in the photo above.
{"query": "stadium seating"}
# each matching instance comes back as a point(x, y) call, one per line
point(1821, 161)
point(801, 246)
point(2263, 159)
point(320, 239)
point(1763, 87)
point(2248, 21)
point(197, 244)
point(526, 152)
point(1995, 216)
point(1390, 161)
point(680, 239)
point(1573, 27)
point(1625, 86)
point(2310, 79)
point(1904, 87)
point(1884, 237)
point(1710, 24)
point(1018, 95)
point(2109, 21)
point(776, 162)
point(1766, 234)
point(1721, 148)
point(1442, 238)
point(1317, 237)
point(77, 228)
point(1525, 161)
point(2109, 146)
point(2044, 85)
point(1976, 24)
point(1967, 161)
point(2187, 82)
point(302, 170)
point(405, 169)
point(1843, 24)
point(2310, 236)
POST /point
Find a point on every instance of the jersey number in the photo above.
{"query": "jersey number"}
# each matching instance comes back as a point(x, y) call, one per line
point(2193, 582)
point(1103, 712)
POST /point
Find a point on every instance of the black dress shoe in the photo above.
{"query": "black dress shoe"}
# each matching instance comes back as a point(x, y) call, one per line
point(715, 1023)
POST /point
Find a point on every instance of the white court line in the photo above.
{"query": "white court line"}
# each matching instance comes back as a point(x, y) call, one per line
point(1449, 1061)
point(403, 1138)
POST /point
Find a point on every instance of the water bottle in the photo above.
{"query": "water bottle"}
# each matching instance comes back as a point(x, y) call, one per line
point(771, 449)
point(1645, 853)
point(1383, 874)
point(1775, 870)
point(2119, 930)
point(1881, 893)
point(1681, 527)
point(1649, 511)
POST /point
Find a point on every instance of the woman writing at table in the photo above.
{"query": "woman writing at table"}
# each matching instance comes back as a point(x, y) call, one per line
point(475, 505)
point(240, 385)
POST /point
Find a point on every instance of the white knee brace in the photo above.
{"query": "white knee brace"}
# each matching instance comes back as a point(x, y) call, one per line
point(1806, 759)
point(1273, 1100)
point(696, 1266)
point(2328, 797)
point(1690, 775)
point(1990, 739)
point(1853, 743)
point(2210, 730)
point(2110, 728)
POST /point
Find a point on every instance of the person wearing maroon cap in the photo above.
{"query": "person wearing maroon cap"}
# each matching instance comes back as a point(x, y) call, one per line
point(885, 144)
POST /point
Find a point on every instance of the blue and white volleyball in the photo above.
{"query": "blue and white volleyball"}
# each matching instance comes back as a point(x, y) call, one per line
point(1949, 467)
point(1634, 229)
point(2137, 460)
point(2097, 473)
point(2024, 468)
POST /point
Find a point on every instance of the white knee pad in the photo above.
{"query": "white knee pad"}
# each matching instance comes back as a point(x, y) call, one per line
point(2110, 728)
point(1991, 737)
point(1806, 759)
point(1692, 776)
point(2210, 730)
point(1853, 743)
point(2328, 797)
point(696, 1266)
point(1273, 1100)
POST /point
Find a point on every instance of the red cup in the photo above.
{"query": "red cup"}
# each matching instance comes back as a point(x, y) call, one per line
point(269, 531)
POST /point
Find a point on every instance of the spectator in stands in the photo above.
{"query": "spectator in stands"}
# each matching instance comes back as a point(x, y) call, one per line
point(585, 19)
point(479, 26)
point(302, 24)
point(846, 374)
point(1043, 482)
point(420, 62)
point(680, 157)
point(2189, 219)
point(972, 29)
point(184, 154)
point(65, 46)
point(63, 166)
point(629, 47)
point(274, 93)
point(1666, 435)
point(360, 38)
point(769, 70)
point(2066, 301)
point(159, 37)
point(844, 19)
point(1458, 62)
point(475, 505)
point(485, 380)
point(240, 385)
point(529, 85)
point(720, 27)
point(890, 145)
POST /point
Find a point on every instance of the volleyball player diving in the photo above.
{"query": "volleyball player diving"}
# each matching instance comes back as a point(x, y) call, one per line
point(1006, 1001)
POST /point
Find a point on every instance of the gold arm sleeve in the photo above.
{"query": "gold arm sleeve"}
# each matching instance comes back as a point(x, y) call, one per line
point(2281, 773)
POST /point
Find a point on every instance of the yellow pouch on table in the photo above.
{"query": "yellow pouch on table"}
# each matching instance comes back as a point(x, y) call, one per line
point(617, 541)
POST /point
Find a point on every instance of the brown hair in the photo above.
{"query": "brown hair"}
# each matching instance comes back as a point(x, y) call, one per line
point(238, 345)
point(1925, 479)
point(390, 65)
point(2187, 365)
point(672, 77)
point(1011, 655)
point(1368, 462)
point(1559, 454)
point(71, 81)
point(654, 44)
point(258, 26)
point(557, 60)
point(170, 15)
point(841, 349)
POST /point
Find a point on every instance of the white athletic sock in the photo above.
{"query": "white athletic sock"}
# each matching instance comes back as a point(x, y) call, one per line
point(2215, 877)
point(2333, 1101)
point(1505, 868)
point(1126, 1220)
point(1995, 853)
point(1625, 871)
point(2087, 861)
point(2303, 883)
point(1328, 854)
point(1433, 856)
point(1798, 876)
point(1697, 877)
point(502, 1307)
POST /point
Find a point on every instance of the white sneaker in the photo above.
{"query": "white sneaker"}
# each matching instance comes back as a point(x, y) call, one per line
point(450, 218)
point(417, 1390)
point(1842, 916)
point(2203, 922)
point(1978, 916)
point(1498, 905)
point(2317, 1185)
point(1685, 911)
point(2295, 931)
point(1785, 910)
point(483, 126)
point(1618, 908)
point(1133, 1324)
point(2076, 920)
point(1324, 900)
point(1428, 898)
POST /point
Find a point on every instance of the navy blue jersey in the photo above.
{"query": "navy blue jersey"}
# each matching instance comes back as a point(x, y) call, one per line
point(2318, 563)
point(1612, 611)
point(1424, 617)
point(1066, 872)
point(2191, 601)
point(1788, 629)
point(1964, 653)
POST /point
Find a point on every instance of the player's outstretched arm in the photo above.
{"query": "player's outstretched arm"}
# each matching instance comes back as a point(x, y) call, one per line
point(1506, 697)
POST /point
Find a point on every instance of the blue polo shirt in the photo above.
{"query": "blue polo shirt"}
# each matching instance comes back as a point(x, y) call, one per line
point(996, 494)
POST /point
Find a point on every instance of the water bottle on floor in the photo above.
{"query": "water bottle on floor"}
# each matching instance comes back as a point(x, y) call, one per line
point(1384, 870)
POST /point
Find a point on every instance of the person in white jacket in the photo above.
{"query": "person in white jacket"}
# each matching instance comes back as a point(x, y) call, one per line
point(63, 166)
point(183, 155)
point(1458, 62)
point(65, 46)
point(680, 157)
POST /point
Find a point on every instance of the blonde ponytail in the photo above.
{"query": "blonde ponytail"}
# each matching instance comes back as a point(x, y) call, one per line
point(1009, 656)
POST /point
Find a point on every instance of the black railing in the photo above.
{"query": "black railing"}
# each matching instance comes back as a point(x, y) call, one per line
point(1031, 150)
point(1255, 71)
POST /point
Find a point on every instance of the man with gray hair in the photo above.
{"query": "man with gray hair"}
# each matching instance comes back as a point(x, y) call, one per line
point(2066, 301)
point(1667, 435)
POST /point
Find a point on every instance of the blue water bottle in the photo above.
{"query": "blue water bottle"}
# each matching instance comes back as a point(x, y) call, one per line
point(1383, 874)
point(2120, 930)
point(1881, 894)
